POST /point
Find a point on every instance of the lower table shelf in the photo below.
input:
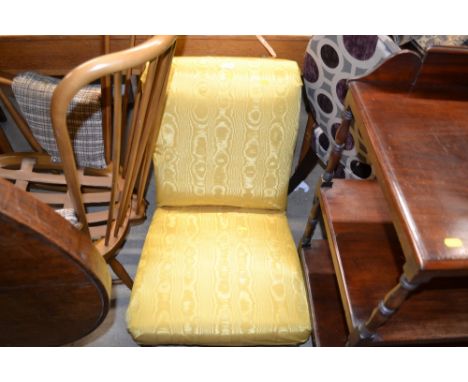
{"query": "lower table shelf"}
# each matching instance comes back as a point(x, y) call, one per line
point(328, 319)
point(361, 263)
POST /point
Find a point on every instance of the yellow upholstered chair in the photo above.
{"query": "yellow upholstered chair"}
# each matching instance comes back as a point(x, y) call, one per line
point(219, 265)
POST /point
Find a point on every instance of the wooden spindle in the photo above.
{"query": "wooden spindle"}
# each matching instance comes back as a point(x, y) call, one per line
point(115, 151)
point(128, 89)
point(106, 100)
point(131, 130)
point(132, 169)
point(160, 106)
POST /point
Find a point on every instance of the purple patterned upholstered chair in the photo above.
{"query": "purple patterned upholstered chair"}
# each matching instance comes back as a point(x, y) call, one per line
point(329, 62)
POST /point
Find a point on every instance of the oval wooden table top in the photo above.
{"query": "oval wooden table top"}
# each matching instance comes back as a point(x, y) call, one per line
point(54, 285)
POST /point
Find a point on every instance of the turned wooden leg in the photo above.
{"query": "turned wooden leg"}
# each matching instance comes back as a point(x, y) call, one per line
point(121, 273)
point(384, 310)
point(327, 177)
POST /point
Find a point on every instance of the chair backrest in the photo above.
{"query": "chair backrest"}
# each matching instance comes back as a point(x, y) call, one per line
point(228, 138)
point(329, 62)
point(54, 284)
point(122, 185)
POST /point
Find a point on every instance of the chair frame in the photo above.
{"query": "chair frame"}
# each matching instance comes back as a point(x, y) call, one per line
point(122, 185)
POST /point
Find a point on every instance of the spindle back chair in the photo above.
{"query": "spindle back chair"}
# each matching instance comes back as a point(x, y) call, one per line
point(104, 200)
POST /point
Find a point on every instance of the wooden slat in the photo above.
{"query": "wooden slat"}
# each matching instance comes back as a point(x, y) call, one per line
point(99, 216)
point(59, 197)
point(85, 180)
point(27, 165)
point(97, 232)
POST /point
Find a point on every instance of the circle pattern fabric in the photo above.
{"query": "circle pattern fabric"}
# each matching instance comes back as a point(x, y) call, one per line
point(329, 62)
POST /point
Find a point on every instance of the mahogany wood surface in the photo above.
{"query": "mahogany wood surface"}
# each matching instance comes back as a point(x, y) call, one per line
point(54, 285)
point(368, 261)
point(398, 72)
point(328, 319)
point(418, 146)
point(444, 73)
point(57, 55)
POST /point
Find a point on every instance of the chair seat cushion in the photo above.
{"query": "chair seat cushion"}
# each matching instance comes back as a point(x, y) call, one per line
point(219, 276)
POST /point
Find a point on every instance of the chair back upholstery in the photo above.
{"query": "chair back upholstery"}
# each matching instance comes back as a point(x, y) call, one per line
point(238, 151)
point(33, 92)
point(330, 61)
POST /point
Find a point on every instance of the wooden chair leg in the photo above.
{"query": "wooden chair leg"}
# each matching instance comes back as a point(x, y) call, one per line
point(121, 273)
point(303, 169)
point(307, 158)
point(308, 137)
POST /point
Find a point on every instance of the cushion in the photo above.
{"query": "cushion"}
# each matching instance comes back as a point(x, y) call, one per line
point(228, 132)
point(219, 276)
point(70, 215)
point(33, 92)
point(329, 62)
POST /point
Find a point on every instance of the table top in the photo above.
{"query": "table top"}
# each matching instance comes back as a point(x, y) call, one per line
point(54, 284)
point(418, 142)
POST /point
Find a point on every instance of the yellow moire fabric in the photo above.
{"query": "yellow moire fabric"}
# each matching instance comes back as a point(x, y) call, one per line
point(219, 265)
point(219, 276)
point(228, 132)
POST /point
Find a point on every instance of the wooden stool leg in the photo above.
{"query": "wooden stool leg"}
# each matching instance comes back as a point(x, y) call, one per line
point(121, 273)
